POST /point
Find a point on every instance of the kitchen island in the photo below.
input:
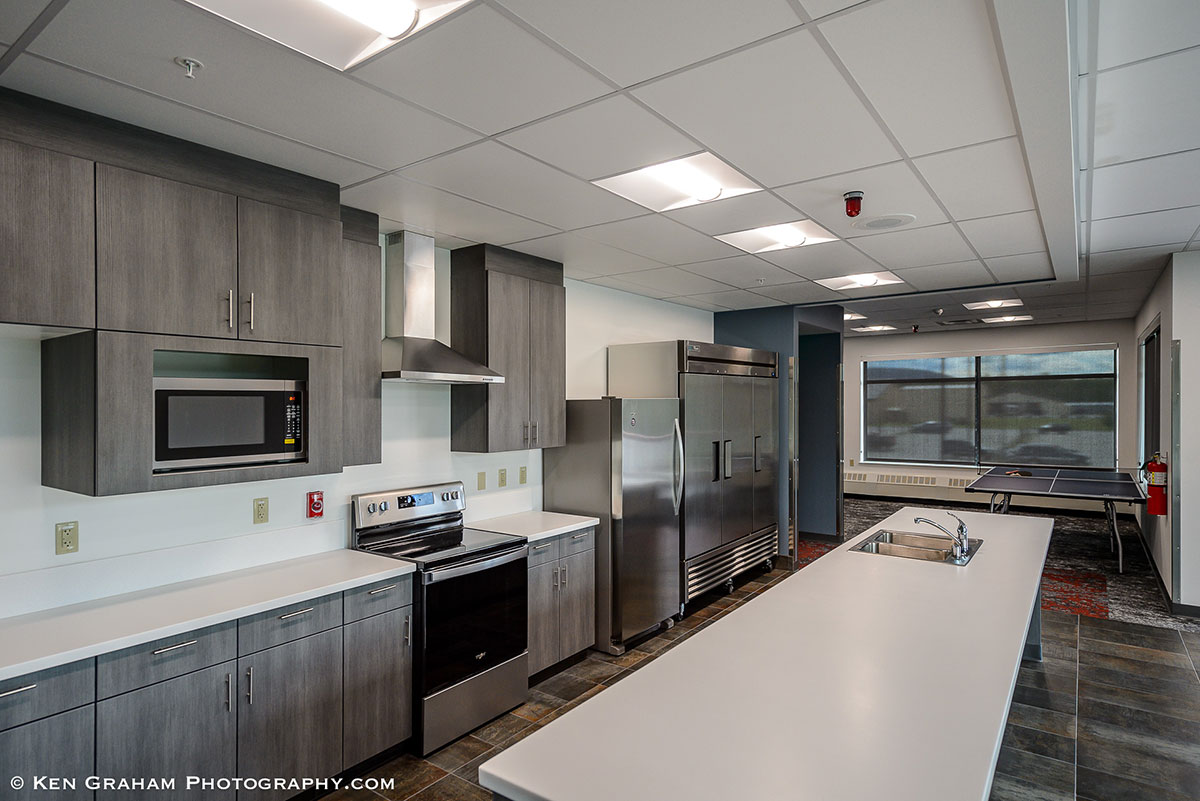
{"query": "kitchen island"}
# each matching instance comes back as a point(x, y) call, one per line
point(862, 677)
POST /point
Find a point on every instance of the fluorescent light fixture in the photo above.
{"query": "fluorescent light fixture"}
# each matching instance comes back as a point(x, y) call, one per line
point(340, 33)
point(869, 329)
point(679, 183)
point(984, 305)
point(1009, 318)
point(853, 316)
point(778, 237)
point(860, 281)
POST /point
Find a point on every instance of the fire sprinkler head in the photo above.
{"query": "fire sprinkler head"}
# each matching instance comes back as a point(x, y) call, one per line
point(853, 203)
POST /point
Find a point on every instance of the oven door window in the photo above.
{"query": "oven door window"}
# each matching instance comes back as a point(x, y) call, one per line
point(201, 427)
point(472, 623)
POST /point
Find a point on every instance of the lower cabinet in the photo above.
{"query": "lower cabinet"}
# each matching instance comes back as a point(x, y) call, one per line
point(562, 609)
point(378, 684)
point(59, 746)
point(186, 726)
point(289, 719)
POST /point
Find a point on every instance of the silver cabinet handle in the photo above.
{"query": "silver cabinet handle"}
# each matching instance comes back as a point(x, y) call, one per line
point(229, 691)
point(580, 536)
point(525, 431)
point(24, 689)
point(556, 578)
point(382, 589)
point(407, 630)
point(231, 310)
point(540, 547)
point(251, 311)
point(535, 424)
point(297, 613)
point(250, 685)
point(566, 575)
point(170, 648)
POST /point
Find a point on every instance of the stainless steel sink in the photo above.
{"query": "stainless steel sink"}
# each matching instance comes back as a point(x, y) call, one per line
point(909, 545)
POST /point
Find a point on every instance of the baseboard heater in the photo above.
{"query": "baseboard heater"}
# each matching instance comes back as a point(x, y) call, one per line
point(721, 564)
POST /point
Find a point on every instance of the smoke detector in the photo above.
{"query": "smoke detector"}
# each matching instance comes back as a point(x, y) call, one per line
point(883, 222)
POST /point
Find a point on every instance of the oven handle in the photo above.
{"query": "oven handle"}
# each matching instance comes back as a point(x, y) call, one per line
point(441, 574)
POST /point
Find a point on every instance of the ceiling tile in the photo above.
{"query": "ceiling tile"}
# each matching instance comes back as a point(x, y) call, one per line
point(700, 302)
point(800, 292)
point(947, 276)
point(979, 181)
point(929, 68)
point(1134, 31)
point(1048, 288)
point(17, 16)
point(739, 213)
point(1140, 230)
point(423, 208)
point(1132, 260)
point(801, 120)
point(1026, 267)
point(617, 282)
point(245, 78)
point(1005, 235)
point(631, 41)
point(500, 176)
point(61, 84)
point(737, 299)
point(1166, 182)
point(819, 8)
point(917, 247)
point(581, 255)
point(483, 70)
point(609, 136)
point(742, 271)
point(658, 238)
point(888, 189)
point(825, 260)
point(1137, 284)
point(1147, 109)
point(675, 281)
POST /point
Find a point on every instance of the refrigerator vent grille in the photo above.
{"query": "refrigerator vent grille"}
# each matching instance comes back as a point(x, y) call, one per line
point(710, 570)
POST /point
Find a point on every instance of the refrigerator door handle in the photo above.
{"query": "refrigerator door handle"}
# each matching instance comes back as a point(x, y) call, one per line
point(728, 458)
point(677, 489)
point(716, 460)
point(757, 455)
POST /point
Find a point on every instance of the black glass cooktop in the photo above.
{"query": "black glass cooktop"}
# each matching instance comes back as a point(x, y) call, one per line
point(446, 546)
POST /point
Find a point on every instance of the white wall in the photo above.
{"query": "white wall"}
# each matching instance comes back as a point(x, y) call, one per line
point(137, 541)
point(1156, 313)
point(1185, 327)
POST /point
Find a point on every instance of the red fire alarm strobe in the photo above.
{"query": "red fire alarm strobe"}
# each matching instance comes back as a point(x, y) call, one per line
point(316, 504)
point(853, 203)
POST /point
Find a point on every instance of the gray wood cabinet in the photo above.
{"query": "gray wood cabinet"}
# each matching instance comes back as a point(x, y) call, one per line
point(561, 600)
point(47, 238)
point(362, 363)
point(289, 719)
point(186, 726)
point(508, 310)
point(166, 256)
point(289, 275)
point(378, 684)
point(60, 746)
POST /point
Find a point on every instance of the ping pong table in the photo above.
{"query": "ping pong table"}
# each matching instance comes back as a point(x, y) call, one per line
point(1109, 486)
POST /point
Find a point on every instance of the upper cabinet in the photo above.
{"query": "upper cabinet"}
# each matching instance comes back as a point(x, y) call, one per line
point(47, 237)
point(362, 327)
point(508, 311)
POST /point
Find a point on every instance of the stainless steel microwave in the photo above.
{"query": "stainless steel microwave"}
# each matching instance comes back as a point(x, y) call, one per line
point(207, 423)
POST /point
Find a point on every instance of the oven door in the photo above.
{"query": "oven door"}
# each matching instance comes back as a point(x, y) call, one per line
point(473, 617)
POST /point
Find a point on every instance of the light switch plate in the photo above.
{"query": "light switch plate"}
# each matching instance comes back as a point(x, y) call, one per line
point(852, 463)
point(262, 510)
point(524, 474)
point(481, 481)
point(502, 477)
point(66, 537)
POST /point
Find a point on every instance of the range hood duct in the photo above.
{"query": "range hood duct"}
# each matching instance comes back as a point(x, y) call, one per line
point(410, 351)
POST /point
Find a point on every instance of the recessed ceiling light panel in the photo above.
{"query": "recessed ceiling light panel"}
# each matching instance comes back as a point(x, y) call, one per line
point(853, 316)
point(871, 329)
point(860, 281)
point(984, 305)
point(778, 237)
point(1009, 318)
point(676, 184)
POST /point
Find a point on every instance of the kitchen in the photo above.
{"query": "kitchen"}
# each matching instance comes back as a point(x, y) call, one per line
point(206, 438)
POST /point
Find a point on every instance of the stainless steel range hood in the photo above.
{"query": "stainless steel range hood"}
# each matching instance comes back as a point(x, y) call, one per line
point(410, 351)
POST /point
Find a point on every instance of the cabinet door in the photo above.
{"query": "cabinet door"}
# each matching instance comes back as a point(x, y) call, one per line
point(290, 712)
point(166, 256)
point(577, 602)
point(548, 364)
point(378, 687)
point(60, 746)
point(766, 453)
point(362, 361)
point(737, 420)
point(543, 617)
point(47, 237)
point(178, 728)
point(289, 275)
point(508, 354)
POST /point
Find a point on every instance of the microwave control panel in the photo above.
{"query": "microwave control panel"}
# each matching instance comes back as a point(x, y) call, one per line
point(294, 421)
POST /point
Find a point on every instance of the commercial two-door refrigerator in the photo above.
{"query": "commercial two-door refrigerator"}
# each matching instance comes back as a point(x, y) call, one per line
point(623, 463)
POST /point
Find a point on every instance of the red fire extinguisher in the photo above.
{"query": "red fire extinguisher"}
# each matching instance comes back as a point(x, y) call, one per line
point(1155, 472)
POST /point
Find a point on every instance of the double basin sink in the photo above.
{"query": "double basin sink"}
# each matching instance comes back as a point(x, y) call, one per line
point(924, 547)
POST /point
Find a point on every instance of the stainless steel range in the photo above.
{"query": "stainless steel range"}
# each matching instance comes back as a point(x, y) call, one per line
point(470, 607)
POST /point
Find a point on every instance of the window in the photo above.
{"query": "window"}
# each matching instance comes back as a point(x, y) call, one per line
point(1151, 396)
point(1052, 409)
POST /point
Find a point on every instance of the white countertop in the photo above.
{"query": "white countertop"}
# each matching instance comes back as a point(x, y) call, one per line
point(862, 677)
point(57, 636)
point(535, 526)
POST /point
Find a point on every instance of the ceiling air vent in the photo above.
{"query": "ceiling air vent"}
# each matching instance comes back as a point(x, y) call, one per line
point(958, 322)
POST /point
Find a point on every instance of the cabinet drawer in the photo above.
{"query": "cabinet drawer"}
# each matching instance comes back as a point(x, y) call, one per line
point(542, 552)
point(142, 665)
point(287, 623)
point(47, 692)
point(372, 599)
point(577, 542)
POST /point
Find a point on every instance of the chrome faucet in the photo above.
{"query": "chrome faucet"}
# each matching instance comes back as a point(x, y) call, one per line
point(960, 547)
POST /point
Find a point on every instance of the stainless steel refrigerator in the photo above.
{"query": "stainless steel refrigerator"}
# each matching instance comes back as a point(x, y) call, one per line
point(729, 416)
point(624, 463)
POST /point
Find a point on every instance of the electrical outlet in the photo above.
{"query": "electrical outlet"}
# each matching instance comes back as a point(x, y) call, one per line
point(262, 510)
point(502, 477)
point(66, 537)
point(852, 463)
point(524, 474)
point(481, 481)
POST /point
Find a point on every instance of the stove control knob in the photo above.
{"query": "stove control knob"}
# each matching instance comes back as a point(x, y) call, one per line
point(383, 506)
point(454, 495)
point(445, 496)
point(370, 508)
